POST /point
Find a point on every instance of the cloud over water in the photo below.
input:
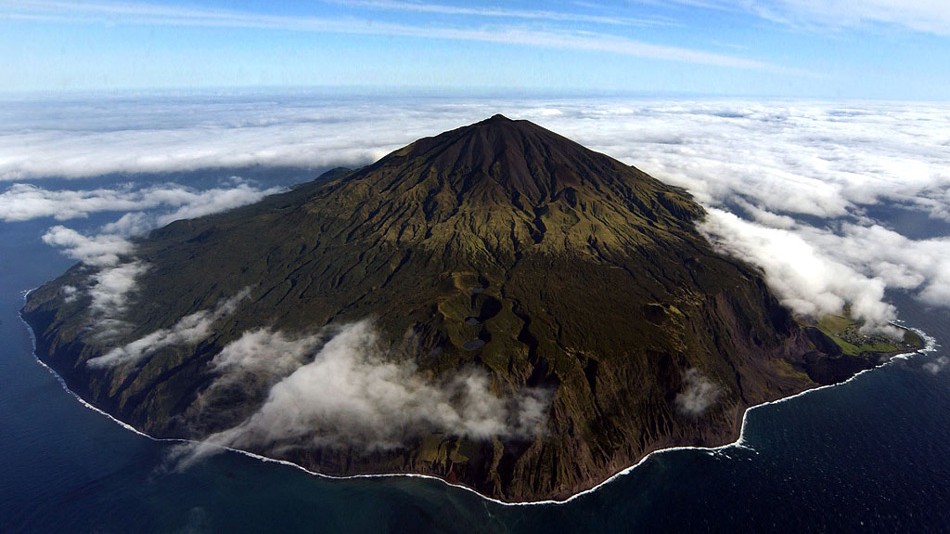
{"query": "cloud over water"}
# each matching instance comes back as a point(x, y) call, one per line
point(794, 175)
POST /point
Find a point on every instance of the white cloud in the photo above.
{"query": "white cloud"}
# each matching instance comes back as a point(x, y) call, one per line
point(111, 286)
point(78, 139)
point(110, 290)
point(820, 159)
point(921, 265)
point(249, 366)
point(931, 16)
point(348, 392)
point(101, 250)
point(70, 293)
point(112, 281)
point(189, 330)
point(130, 224)
point(197, 204)
point(787, 163)
point(806, 279)
point(936, 365)
point(817, 271)
point(698, 393)
point(792, 166)
point(264, 351)
point(23, 202)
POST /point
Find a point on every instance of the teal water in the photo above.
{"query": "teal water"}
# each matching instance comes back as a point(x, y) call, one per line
point(869, 455)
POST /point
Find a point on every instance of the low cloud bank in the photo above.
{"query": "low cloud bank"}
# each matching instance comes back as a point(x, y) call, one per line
point(347, 393)
point(921, 266)
point(818, 271)
point(80, 139)
point(189, 330)
point(24, 202)
point(815, 158)
point(781, 163)
point(806, 279)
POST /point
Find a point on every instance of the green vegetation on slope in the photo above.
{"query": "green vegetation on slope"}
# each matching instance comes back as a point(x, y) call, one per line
point(846, 333)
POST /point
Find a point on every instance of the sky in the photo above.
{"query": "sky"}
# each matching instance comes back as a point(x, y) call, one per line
point(843, 49)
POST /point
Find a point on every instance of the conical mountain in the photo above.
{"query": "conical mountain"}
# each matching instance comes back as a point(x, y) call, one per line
point(499, 250)
point(505, 183)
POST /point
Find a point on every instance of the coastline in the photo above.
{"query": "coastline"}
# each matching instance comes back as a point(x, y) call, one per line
point(739, 442)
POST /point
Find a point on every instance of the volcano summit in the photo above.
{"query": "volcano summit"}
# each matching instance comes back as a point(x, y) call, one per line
point(497, 306)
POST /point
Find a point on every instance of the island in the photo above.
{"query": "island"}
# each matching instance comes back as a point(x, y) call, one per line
point(496, 306)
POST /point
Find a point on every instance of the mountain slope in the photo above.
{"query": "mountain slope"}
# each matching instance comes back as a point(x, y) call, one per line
point(570, 282)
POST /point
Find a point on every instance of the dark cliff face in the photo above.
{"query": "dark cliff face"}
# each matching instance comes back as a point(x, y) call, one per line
point(500, 246)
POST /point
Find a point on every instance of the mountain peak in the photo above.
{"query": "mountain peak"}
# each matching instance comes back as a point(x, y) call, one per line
point(498, 117)
point(517, 183)
point(500, 158)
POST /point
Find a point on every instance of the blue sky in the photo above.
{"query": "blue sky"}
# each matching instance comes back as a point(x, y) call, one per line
point(778, 48)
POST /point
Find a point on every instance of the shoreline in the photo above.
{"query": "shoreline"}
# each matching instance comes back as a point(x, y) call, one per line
point(930, 346)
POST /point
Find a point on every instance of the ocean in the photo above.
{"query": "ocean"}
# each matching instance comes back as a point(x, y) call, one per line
point(872, 454)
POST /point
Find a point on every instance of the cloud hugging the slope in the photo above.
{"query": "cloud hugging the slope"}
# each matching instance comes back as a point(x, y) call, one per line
point(110, 252)
point(111, 289)
point(188, 330)
point(809, 281)
point(111, 282)
point(698, 393)
point(346, 391)
point(102, 250)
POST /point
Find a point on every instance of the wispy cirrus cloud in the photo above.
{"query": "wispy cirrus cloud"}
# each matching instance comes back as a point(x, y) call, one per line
point(577, 16)
point(928, 16)
point(461, 30)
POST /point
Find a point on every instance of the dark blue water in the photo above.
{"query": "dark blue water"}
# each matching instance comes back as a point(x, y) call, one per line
point(869, 455)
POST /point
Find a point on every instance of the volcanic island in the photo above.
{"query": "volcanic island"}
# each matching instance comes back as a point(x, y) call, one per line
point(496, 306)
